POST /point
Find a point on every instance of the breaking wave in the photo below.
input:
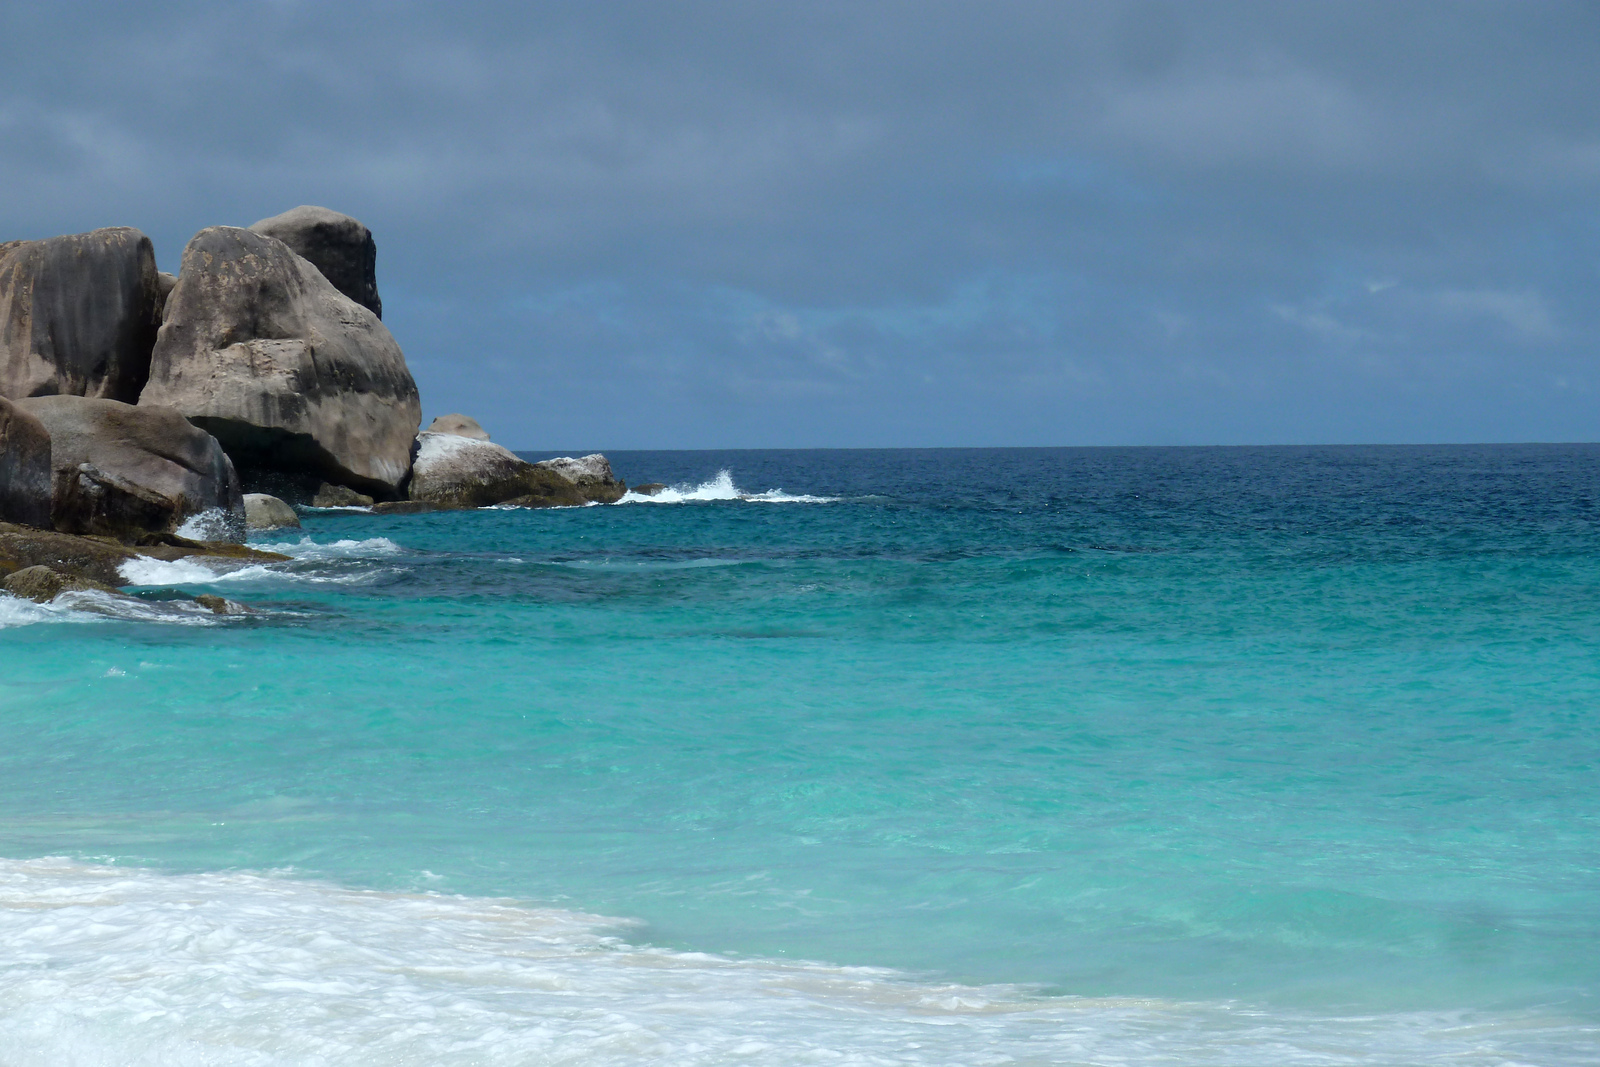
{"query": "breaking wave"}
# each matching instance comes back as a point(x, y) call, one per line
point(720, 488)
point(114, 965)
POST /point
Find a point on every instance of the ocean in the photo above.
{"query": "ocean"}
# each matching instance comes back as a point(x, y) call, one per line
point(1243, 756)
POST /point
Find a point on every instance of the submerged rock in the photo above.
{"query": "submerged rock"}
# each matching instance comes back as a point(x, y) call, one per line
point(221, 605)
point(262, 351)
point(460, 472)
point(263, 512)
point(25, 479)
point(591, 474)
point(124, 471)
point(337, 245)
point(78, 315)
point(460, 425)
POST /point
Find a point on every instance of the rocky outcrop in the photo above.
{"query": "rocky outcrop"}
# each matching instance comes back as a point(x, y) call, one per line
point(263, 512)
point(649, 488)
point(337, 245)
point(78, 315)
point(461, 472)
point(459, 425)
point(591, 474)
point(127, 472)
point(101, 559)
point(262, 351)
point(24, 467)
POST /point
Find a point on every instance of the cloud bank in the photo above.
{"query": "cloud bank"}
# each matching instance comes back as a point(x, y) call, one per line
point(713, 224)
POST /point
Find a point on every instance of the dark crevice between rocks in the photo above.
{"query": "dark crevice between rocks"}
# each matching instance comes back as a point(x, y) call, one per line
point(290, 466)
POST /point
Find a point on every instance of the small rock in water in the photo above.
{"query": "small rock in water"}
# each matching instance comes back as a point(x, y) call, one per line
point(263, 512)
point(459, 472)
point(41, 585)
point(648, 488)
point(221, 605)
point(404, 507)
point(339, 496)
point(459, 426)
point(591, 474)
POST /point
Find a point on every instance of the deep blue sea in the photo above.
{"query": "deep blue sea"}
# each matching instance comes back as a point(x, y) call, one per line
point(1232, 756)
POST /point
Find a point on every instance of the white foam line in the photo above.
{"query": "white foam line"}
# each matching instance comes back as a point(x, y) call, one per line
point(120, 966)
point(720, 487)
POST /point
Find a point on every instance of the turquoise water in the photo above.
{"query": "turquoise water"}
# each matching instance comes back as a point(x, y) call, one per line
point(1088, 756)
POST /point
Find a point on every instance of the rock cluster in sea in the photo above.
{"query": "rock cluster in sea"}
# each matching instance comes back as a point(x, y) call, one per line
point(139, 409)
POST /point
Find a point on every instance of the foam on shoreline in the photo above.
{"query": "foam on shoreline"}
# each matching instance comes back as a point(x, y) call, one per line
point(127, 966)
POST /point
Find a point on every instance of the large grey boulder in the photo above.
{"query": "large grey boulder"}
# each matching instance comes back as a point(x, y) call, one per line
point(460, 425)
point(451, 471)
point(126, 472)
point(591, 474)
point(78, 315)
point(24, 467)
point(337, 245)
point(261, 350)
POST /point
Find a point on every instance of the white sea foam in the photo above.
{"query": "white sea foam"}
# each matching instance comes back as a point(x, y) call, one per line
point(95, 606)
point(198, 570)
point(306, 548)
point(119, 966)
point(211, 525)
point(720, 488)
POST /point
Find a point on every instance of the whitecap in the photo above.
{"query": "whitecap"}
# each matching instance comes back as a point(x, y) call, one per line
point(190, 570)
point(720, 487)
point(346, 548)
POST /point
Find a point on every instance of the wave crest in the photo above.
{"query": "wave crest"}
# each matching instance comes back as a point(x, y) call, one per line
point(720, 487)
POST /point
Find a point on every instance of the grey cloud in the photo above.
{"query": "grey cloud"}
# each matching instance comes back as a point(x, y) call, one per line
point(918, 223)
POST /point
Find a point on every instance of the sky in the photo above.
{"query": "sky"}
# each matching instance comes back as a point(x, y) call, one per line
point(696, 224)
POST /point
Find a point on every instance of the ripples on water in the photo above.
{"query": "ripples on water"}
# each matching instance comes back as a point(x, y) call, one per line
point(1202, 755)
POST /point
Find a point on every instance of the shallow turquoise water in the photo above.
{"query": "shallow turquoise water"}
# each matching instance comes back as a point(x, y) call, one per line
point(1310, 732)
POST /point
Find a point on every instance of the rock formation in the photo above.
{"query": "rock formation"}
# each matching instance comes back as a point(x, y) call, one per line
point(125, 472)
point(25, 479)
point(263, 512)
point(78, 315)
point(460, 426)
point(337, 245)
point(262, 351)
point(591, 474)
point(461, 472)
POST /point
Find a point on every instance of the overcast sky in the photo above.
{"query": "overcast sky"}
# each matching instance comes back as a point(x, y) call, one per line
point(682, 224)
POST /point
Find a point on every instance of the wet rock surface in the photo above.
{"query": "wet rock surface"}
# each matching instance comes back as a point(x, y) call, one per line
point(25, 476)
point(123, 471)
point(78, 315)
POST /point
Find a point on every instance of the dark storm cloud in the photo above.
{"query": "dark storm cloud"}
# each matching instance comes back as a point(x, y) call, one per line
point(897, 223)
